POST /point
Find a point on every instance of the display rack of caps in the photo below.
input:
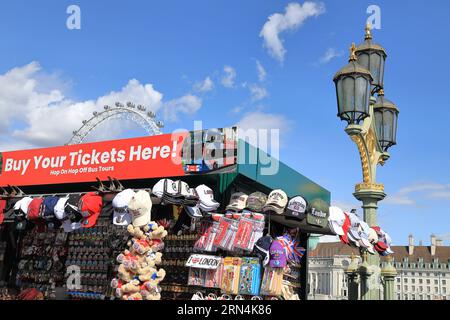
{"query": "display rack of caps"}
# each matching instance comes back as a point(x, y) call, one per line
point(71, 212)
point(41, 262)
point(89, 252)
point(355, 232)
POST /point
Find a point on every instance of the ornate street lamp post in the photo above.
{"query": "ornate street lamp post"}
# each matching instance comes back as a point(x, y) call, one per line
point(372, 125)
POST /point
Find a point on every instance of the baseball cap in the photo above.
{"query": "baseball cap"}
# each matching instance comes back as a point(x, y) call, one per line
point(336, 220)
point(364, 230)
point(193, 211)
point(158, 188)
point(317, 213)
point(91, 207)
point(121, 215)
point(34, 209)
point(21, 206)
point(238, 201)
point(49, 204)
point(206, 198)
point(60, 214)
point(296, 208)
point(373, 237)
point(276, 201)
point(140, 207)
point(261, 249)
point(277, 255)
point(256, 201)
point(345, 228)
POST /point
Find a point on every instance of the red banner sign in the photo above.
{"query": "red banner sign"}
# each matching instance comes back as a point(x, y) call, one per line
point(137, 158)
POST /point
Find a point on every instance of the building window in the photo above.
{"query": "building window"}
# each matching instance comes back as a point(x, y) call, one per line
point(406, 280)
point(428, 281)
point(413, 297)
point(399, 288)
point(428, 289)
point(398, 279)
point(428, 297)
point(421, 297)
point(405, 297)
point(420, 281)
point(413, 288)
point(443, 282)
point(436, 290)
point(444, 290)
point(413, 280)
point(406, 288)
point(398, 297)
point(420, 289)
point(436, 281)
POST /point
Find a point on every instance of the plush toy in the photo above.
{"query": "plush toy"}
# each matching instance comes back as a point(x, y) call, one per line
point(134, 296)
point(141, 247)
point(123, 274)
point(136, 232)
point(131, 287)
point(153, 231)
point(137, 276)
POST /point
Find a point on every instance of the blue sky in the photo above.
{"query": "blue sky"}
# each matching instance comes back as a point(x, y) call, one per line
point(198, 60)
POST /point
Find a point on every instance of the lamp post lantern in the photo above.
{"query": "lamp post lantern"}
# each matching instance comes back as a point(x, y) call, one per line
point(372, 125)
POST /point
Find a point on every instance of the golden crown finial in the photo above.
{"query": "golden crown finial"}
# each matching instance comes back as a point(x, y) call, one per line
point(353, 52)
point(368, 31)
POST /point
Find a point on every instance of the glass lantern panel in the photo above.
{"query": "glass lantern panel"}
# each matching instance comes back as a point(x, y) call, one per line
point(363, 60)
point(361, 94)
point(379, 123)
point(375, 65)
point(340, 95)
point(349, 94)
point(388, 123)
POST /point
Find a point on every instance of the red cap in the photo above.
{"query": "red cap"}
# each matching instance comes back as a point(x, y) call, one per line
point(34, 208)
point(91, 207)
point(345, 227)
point(377, 230)
point(2, 210)
point(382, 245)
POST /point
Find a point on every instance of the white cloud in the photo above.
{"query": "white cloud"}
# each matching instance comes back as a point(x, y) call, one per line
point(188, 105)
point(329, 55)
point(258, 92)
point(261, 71)
point(229, 77)
point(37, 114)
point(426, 190)
point(294, 17)
point(204, 86)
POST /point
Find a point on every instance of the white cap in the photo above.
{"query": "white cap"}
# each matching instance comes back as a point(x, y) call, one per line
point(172, 187)
point(354, 219)
point(140, 207)
point(373, 237)
point(276, 201)
point(206, 197)
point(60, 212)
point(158, 188)
point(193, 212)
point(336, 220)
point(23, 204)
point(121, 216)
point(238, 201)
point(185, 191)
point(371, 249)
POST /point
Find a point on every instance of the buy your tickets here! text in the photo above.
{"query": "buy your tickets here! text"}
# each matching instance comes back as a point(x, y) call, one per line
point(79, 158)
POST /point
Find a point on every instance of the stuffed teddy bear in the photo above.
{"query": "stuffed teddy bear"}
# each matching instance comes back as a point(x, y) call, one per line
point(131, 287)
point(153, 231)
point(136, 232)
point(153, 274)
point(123, 274)
point(134, 296)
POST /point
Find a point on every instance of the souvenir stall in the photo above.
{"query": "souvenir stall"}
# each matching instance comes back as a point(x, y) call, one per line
point(165, 227)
